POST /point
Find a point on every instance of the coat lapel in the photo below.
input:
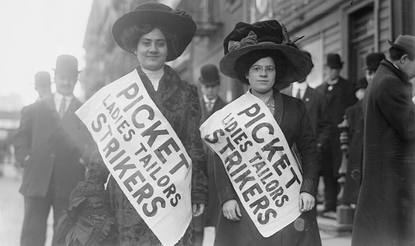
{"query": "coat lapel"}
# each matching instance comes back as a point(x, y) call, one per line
point(278, 106)
point(73, 106)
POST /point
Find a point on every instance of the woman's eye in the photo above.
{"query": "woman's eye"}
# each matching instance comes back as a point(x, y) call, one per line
point(146, 43)
point(270, 69)
point(161, 44)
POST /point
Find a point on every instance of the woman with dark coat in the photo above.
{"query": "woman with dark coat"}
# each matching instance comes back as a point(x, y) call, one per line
point(261, 55)
point(156, 34)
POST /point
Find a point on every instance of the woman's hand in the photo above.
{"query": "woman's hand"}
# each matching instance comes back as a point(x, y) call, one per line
point(306, 202)
point(231, 210)
point(198, 209)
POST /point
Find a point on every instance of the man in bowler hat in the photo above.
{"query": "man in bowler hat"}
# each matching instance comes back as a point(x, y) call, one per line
point(340, 95)
point(210, 102)
point(42, 84)
point(52, 145)
point(385, 212)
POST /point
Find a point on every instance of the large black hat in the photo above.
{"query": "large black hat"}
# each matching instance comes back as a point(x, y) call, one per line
point(373, 61)
point(176, 21)
point(334, 61)
point(209, 75)
point(264, 35)
point(67, 65)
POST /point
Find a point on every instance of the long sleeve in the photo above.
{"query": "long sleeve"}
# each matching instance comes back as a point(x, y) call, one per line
point(23, 138)
point(306, 144)
point(194, 147)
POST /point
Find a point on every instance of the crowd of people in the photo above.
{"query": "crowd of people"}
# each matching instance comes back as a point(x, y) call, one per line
point(155, 160)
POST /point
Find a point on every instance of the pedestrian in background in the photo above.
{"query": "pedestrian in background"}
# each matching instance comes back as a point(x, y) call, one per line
point(210, 102)
point(385, 213)
point(53, 147)
point(316, 105)
point(339, 95)
point(43, 84)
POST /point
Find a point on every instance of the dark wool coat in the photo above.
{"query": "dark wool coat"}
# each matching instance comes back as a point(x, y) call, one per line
point(178, 101)
point(354, 116)
point(292, 117)
point(55, 147)
point(212, 210)
point(385, 213)
point(338, 99)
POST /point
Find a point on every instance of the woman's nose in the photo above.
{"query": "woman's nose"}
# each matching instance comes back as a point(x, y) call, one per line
point(153, 48)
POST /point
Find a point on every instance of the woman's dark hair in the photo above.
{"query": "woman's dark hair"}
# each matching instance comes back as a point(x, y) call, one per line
point(131, 35)
point(396, 54)
point(245, 62)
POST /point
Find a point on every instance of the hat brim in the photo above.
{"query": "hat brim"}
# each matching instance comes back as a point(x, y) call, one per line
point(209, 83)
point(298, 64)
point(183, 27)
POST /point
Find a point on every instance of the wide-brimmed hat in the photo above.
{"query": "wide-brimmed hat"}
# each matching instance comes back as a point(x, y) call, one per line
point(334, 61)
point(67, 65)
point(361, 84)
point(209, 75)
point(42, 78)
point(405, 43)
point(373, 61)
point(175, 21)
point(264, 35)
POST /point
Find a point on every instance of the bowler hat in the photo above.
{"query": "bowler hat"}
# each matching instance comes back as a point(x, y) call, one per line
point(264, 35)
point(334, 61)
point(175, 21)
point(373, 61)
point(361, 84)
point(209, 75)
point(405, 43)
point(42, 78)
point(67, 65)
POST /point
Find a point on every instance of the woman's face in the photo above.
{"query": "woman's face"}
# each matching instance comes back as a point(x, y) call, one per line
point(261, 75)
point(152, 50)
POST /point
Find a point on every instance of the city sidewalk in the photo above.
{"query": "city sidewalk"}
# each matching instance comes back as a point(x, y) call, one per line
point(11, 215)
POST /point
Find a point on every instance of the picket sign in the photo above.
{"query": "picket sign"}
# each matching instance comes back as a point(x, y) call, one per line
point(258, 161)
point(143, 154)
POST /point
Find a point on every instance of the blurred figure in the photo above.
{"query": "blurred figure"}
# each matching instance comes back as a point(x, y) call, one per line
point(354, 117)
point(52, 145)
point(42, 84)
point(385, 213)
point(339, 94)
point(210, 102)
point(372, 63)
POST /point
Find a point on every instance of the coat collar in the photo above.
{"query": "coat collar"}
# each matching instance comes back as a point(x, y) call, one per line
point(278, 106)
point(395, 70)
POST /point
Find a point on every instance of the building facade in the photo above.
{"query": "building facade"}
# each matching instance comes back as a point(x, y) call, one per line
point(350, 28)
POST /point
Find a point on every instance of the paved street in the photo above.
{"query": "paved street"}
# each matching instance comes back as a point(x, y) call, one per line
point(11, 213)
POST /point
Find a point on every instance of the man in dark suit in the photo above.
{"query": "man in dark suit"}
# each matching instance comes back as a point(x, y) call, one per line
point(210, 102)
point(340, 95)
point(316, 105)
point(385, 212)
point(53, 146)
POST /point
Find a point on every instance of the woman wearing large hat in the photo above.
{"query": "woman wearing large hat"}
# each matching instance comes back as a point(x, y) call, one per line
point(262, 55)
point(155, 34)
